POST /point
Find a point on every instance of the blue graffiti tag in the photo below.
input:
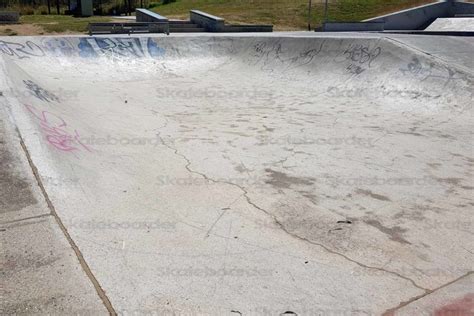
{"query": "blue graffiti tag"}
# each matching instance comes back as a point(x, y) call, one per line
point(118, 47)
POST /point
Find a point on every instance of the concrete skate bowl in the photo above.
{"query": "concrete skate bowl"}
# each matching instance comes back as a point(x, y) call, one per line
point(250, 174)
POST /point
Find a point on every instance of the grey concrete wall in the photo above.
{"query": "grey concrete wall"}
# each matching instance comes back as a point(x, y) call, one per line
point(143, 15)
point(462, 8)
point(415, 18)
point(210, 22)
point(353, 26)
point(9, 17)
point(248, 28)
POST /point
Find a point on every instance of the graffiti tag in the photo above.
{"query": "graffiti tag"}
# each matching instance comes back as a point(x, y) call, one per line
point(27, 50)
point(39, 92)
point(120, 47)
point(423, 72)
point(360, 54)
point(57, 132)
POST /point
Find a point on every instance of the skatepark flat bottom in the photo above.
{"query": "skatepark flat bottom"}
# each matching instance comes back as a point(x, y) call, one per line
point(313, 175)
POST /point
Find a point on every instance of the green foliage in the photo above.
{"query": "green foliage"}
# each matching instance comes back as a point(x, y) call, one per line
point(283, 14)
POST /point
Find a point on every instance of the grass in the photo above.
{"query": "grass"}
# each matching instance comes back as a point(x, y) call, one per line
point(61, 23)
point(285, 14)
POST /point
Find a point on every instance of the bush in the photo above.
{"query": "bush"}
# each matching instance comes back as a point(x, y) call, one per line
point(153, 5)
point(27, 10)
point(168, 1)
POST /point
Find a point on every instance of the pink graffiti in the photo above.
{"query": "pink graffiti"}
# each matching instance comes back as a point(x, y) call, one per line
point(56, 131)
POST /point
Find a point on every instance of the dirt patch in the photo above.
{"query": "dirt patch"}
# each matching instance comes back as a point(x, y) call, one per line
point(21, 29)
point(281, 180)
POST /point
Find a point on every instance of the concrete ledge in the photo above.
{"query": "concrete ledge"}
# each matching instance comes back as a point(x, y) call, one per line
point(210, 22)
point(443, 33)
point(9, 17)
point(143, 15)
point(248, 28)
point(415, 18)
point(353, 26)
point(420, 17)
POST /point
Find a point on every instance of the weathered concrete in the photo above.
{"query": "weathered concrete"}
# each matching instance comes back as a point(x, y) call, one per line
point(420, 17)
point(452, 24)
point(217, 24)
point(353, 26)
point(143, 15)
point(245, 174)
point(40, 273)
point(455, 299)
point(210, 22)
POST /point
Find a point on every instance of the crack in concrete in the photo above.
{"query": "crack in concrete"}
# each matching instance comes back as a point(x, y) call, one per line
point(82, 262)
point(283, 228)
point(391, 311)
point(25, 219)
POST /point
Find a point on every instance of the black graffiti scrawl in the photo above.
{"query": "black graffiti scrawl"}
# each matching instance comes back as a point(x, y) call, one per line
point(40, 93)
point(360, 57)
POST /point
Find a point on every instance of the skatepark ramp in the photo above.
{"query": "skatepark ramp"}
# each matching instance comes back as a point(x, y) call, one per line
point(251, 174)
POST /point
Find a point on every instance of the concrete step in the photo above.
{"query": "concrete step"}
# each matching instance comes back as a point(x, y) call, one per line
point(183, 25)
point(180, 22)
point(187, 30)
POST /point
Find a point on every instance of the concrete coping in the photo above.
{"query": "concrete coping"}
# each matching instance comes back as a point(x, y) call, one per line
point(152, 14)
point(355, 22)
point(352, 26)
point(250, 25)
point(208, 16)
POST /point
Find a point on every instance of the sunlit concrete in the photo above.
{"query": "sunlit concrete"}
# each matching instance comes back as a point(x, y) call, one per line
point(452, 24)
point(251, 174)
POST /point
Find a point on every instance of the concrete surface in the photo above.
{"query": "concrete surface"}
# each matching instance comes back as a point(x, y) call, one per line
point(40, 273)
point(415, 18)
point(352, 27)
point(144, 15)
point(420, 17)
point(294, 173)
point(452, 24)
point(451, 300)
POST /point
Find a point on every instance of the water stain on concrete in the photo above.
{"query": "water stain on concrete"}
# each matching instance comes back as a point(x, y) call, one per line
point(395, 233)
point(15, 263)
point(373, 195)
point(283, 181)
point(15, 191)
